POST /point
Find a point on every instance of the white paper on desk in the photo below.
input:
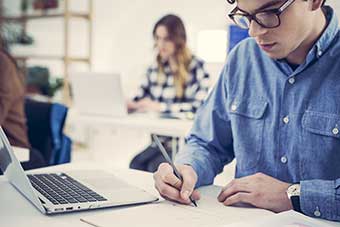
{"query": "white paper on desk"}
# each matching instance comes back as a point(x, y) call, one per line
point(208, 213)
point(286, 219)
point(227, 214)
point(153, 215)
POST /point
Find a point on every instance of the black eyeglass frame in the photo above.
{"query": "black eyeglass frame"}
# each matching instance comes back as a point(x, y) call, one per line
point(250, 17)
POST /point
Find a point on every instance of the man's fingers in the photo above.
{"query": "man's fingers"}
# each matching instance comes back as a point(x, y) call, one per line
point(166, 174)
point(170, 193)
point(233, 188)
point(171, 187)
point(241, 197)
point(172, 180)
point(189, 181)
point(196, 195)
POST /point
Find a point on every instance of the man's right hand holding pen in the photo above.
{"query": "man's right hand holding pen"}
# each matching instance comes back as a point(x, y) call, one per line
point(172, 188)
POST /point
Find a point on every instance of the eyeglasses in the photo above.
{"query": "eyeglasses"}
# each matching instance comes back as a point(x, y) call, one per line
point(266, 18)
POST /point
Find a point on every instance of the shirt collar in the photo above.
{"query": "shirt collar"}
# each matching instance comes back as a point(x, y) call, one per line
point(323, 43)
point(329, 34)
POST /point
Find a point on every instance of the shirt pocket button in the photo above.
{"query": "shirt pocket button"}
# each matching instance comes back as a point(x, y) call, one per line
point(335, 131)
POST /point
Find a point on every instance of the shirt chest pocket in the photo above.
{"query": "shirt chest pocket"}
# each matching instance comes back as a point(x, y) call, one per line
point(322, 124)
point(321, 143)
point(247, 122)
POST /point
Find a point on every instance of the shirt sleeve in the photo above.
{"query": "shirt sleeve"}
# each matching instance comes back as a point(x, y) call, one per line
point(209, 144)
point(144, 88)
point(199, 89)
point(321, 199)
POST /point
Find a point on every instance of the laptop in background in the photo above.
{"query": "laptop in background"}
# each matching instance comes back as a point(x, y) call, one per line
point(98, 94)
point(71, 191)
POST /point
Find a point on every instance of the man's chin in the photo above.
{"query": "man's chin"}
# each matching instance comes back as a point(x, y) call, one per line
point(276, 56)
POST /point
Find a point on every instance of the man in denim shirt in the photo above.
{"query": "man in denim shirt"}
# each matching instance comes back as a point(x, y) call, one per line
point(276, 109)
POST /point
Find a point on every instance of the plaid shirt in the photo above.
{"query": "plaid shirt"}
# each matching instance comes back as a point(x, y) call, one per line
point(195, 90)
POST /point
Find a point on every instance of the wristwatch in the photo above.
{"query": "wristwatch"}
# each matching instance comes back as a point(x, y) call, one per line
point(293, 193)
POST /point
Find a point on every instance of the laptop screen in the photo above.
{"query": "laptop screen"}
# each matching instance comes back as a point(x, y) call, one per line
point(5, 158)
point(13, 171)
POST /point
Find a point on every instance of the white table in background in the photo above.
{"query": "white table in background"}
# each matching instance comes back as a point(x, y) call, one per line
point(149, 123)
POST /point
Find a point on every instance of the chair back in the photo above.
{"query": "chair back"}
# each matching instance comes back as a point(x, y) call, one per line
point(45, 122)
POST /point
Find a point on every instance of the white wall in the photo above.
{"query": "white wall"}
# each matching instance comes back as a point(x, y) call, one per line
point(122, 39)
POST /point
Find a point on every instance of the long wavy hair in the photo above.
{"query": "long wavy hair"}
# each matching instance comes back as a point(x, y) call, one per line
point(177, 35)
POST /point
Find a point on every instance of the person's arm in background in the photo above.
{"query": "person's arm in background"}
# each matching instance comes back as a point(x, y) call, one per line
point(199, 89)
point(142, 93)
point(7, 75)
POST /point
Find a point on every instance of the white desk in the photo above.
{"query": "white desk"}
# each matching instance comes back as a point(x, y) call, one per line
point(148, 122)
point(16, 211)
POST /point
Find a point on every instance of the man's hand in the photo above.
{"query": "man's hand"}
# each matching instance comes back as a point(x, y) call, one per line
point(172, 188)
point(259, 190)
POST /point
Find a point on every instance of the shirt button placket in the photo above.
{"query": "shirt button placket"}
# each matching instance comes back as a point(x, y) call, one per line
point(233, 107)
point(284, 159)
point(286, 120)
point(291, 80)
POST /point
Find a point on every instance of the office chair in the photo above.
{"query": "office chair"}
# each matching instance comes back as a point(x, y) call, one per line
point(45, 122)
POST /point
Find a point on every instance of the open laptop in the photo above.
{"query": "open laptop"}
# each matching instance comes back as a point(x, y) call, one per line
point(98, 94)
point(67, 192)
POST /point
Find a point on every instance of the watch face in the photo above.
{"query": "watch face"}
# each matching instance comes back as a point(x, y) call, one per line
point(293, 190)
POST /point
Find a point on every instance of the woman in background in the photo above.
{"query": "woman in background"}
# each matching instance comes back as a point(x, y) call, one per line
point(177, 82)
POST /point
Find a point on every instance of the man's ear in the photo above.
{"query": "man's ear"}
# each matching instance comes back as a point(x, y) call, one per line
point(314, 4)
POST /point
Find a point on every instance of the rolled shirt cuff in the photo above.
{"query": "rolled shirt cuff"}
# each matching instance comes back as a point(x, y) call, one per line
point(318, 199)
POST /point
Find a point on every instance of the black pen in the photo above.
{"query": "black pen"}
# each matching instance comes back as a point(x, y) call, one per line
point(168, 159)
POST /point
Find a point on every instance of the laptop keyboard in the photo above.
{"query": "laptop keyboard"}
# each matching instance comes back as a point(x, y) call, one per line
point(63, 189)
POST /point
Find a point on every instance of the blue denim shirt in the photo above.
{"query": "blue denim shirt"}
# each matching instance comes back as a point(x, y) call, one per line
point(275, 120)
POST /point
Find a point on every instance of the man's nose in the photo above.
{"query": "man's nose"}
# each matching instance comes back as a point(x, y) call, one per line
point(256, 30)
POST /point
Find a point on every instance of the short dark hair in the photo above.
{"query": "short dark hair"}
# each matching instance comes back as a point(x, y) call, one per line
point(233, 1)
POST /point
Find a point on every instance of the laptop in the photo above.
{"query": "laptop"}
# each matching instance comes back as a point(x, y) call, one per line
point(68, 191)
point(98, 94)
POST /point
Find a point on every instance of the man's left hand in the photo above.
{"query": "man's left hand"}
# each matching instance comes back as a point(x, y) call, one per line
point(259, 190)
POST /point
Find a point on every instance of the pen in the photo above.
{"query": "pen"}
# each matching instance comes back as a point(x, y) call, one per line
point(168, 159)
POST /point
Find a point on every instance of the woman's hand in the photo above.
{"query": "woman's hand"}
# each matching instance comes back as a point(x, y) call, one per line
point(146, 105)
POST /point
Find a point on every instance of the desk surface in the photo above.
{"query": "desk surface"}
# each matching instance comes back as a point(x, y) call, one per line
point(147, 122)
point(16, 211)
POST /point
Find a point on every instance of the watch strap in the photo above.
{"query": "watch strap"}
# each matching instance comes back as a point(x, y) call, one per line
point(296, 203)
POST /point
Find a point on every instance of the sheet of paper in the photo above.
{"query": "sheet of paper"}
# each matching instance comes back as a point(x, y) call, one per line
point(227, 214)
point(208, 213)
point(152, 215)
point(286, 219)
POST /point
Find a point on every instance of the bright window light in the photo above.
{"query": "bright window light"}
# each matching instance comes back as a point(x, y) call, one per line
point(212, 45)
